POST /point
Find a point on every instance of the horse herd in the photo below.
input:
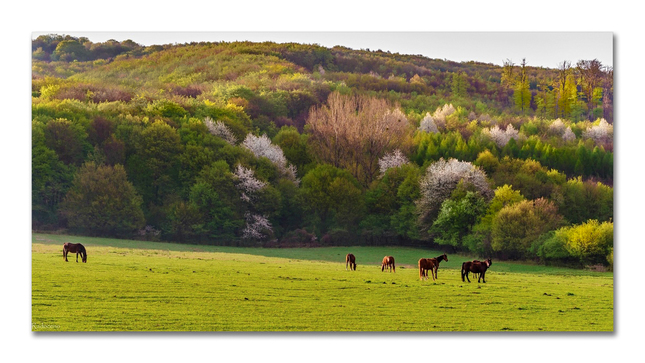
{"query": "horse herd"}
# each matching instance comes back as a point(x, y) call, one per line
point(425, 264)
point(431, 264)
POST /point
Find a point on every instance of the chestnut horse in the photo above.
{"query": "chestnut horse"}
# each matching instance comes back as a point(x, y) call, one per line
point(431, 264)
point(388, 262)
point(351, 261)
point(75, 248)
point(425, 264)
point(475, 267)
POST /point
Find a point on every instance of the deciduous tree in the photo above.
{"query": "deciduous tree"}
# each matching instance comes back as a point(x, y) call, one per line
point(441, 178)
point(353, 132)
point(102, 201)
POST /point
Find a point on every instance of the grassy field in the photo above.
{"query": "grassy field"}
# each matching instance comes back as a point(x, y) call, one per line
point(147, 286)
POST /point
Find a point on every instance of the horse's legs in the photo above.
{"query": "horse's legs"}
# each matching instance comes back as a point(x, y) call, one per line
point(467, 272)
point(65, 255)
point(76, 256)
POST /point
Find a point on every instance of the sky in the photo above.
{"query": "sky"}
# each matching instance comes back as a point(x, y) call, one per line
point(542, 49)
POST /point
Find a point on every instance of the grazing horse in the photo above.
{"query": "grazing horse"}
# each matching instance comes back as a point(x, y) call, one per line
point(350, 260)
point(431, 264)
point(75, 248)
point(475, 267)
point(388, 262)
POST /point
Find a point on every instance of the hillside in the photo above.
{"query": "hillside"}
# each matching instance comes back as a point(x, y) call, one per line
point(301, 145)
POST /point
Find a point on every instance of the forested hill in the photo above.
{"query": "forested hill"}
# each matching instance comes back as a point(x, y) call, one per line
point(231, 143)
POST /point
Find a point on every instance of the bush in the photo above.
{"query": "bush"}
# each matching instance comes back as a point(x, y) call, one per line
point(551, 249)
point(297, 238)
point(591, 242)
point(339, 237)
point(517, 226)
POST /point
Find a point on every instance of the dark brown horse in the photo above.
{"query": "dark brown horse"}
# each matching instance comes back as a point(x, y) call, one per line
point(475, 266)
point(75, 248)
point(388, 262)
point(475, 274)
point(350, 260)
point(431, 264)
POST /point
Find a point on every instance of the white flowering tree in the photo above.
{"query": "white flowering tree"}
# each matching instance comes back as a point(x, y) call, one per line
point(502, 137)
point(568, 135)
point(557, 127)
point(261, 146)
point(392, 160)
point(439, 116)
point(220, 130)
point(247, 183)
point(603, 132)
point(257, 226)
point(428, 125)
point(441, 178)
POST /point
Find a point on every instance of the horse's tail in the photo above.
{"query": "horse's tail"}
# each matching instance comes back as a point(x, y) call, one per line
point(463, 270)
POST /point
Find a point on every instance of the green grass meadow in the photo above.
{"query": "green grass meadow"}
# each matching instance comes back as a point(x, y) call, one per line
point(148, 286)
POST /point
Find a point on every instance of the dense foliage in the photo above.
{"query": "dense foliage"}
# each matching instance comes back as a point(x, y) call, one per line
point(291, 145)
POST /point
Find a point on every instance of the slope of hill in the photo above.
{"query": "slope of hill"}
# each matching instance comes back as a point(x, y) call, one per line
point(292, 144)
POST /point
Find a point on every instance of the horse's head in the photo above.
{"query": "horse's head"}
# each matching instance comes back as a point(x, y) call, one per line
point(445, 258)
point(489, 262)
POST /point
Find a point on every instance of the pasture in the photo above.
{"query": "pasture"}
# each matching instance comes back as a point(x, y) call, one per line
point(146, 286)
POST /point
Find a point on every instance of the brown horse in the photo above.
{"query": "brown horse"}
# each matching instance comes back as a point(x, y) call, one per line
point(388, 262)
point(475, 267)
point(475, 274)
point(350, 260)
point(425, 264)
point(431, 264)
point(75, 248)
